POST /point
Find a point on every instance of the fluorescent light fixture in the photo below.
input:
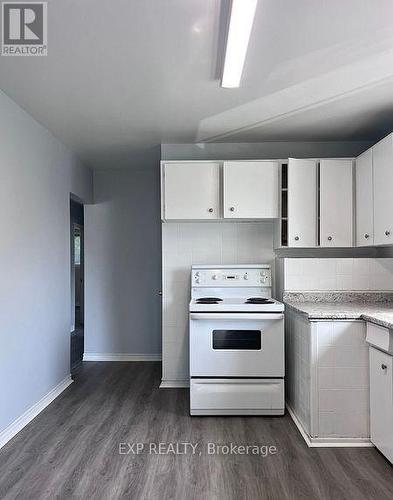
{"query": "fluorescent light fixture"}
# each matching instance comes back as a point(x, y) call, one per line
point(240, 24)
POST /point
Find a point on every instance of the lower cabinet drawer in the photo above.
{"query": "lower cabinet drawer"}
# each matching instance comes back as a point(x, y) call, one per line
point(381, 401)
point(380, 337)
point(236, 395)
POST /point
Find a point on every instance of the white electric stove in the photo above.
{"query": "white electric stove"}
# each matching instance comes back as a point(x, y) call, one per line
point(236, 342)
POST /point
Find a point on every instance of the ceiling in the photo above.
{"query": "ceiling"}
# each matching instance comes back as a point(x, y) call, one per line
point(121, 77)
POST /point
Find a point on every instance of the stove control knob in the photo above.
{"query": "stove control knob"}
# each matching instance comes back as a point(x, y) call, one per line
point(214, 277)
point(197, 280)
point(245, 276)
point(197, 274)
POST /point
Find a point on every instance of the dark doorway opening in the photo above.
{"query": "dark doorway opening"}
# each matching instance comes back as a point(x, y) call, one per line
point(77, 284)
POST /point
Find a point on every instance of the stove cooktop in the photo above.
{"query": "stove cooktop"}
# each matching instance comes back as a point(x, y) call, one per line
point(235, 304)
point(259, 300)
point(208, 300)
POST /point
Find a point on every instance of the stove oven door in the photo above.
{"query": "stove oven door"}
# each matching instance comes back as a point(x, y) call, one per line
point(236, 345)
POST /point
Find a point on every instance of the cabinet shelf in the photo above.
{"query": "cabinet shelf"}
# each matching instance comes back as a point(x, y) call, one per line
point(284, 205)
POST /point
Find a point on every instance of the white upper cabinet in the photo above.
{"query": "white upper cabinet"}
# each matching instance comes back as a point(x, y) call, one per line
point(191, 190)
point(383, 189)
point(336, 209)
point(251, 189)
point(364, 199)
point(302, 203)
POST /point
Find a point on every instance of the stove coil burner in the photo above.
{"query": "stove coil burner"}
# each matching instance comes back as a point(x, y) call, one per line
point(258, 300)
point(208, 300)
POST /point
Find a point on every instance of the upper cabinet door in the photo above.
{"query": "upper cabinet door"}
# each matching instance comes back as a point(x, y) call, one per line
point(364, 199)
point(251, 189)
point(383, 189)
point(336, 209)
point(191, 190)
point(302, 203)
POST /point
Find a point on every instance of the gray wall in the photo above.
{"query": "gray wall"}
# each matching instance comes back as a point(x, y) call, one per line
point(123, 260)
point(37, 174)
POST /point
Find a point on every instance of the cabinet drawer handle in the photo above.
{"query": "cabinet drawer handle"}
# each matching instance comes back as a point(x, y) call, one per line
point(296, 238)
point(210, 210)
point(367, 236)
point(330, 238)
point(231, 209)
point(384, 367)
point(387, 233)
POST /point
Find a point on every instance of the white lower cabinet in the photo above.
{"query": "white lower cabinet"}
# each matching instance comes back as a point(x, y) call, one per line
point(381, 389)
point(381, 401)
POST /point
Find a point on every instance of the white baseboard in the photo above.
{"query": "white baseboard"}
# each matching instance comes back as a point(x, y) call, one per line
point(328, 442)
point(26, 417)
point(119, 356)
point(174, 384)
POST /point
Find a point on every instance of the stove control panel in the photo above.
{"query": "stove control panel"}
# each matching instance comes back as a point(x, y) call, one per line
point(227, 277)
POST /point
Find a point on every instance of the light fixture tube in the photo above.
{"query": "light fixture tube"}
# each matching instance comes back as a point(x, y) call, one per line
point(240, 25)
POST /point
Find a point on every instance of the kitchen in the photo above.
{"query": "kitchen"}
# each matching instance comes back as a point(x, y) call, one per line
point(231, 161)
point(341, 306)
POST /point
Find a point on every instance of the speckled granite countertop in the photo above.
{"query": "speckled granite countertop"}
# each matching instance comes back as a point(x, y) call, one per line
point(374, 307)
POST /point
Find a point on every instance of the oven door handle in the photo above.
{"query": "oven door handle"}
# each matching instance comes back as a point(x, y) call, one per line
point(238, 316)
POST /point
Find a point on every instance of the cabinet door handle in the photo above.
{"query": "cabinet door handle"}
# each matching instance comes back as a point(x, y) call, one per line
point(330, 238)
point(387, 233)
point(384, 367)
point(211, 210)
point(367, 236)
point(231, 209)
point(296, 238)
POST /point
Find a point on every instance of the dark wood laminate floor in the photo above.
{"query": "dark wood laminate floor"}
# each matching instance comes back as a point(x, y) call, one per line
point(71, 450)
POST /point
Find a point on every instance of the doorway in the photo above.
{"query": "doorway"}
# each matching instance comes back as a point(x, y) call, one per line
point(77, 285)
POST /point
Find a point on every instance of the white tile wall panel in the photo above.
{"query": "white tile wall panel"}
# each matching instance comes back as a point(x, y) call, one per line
point(350, 377)
point(334, 403)
point(326, 356)
point(187, 243)
point(355, 426)
point(298, 370)
point(327, 423)
point(175, 364)
point(340, 379)
point(359, 274)
point(327, 376)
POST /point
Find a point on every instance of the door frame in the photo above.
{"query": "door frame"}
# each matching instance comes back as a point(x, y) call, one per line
point(75, 225)
point(72, 226)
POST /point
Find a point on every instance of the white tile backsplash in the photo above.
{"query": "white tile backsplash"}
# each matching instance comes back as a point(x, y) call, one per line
point(358, 274)
point(188, 243)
